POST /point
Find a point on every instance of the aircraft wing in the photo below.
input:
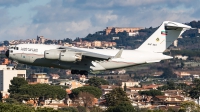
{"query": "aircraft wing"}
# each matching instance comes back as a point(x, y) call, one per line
point(87, 53)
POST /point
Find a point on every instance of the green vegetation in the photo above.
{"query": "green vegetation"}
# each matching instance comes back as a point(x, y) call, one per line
point(16, 83)
point(195, 91)
point(190, 53)
point(90, 89)
point(168, 73)
point(97, 82)
point(20, 90)
point(116, 97)
point(151, 92)
point(123, 107)
point(44, 91)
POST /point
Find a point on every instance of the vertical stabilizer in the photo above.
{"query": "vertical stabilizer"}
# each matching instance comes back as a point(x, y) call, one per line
point(163, 37)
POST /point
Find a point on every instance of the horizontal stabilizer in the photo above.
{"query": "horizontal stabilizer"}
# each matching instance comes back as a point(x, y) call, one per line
point(154, 61)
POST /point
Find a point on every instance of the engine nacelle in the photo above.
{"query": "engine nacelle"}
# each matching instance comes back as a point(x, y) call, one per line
point(52, 54)
point(70, 56)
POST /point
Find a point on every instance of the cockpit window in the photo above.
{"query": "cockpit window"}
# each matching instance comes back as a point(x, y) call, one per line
point(16, 48)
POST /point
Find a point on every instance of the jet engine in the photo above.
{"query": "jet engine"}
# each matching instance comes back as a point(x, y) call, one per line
point(70, 56)
point(52, 54)
point(63, 55)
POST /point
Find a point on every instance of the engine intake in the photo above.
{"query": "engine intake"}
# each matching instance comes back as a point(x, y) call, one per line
point(70, 56)
point(52, 54)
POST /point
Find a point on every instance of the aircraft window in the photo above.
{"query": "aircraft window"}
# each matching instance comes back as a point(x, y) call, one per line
point(11, 51)
point(17, 48)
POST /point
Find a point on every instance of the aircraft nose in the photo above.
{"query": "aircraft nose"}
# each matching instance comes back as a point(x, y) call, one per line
point(7, 53)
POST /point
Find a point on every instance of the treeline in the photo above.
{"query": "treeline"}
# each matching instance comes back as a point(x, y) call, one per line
point(190, 53)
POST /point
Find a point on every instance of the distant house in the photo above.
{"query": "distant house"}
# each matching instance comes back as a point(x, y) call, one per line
point(107, 88)
point(152, 86)
point(181, 57)
point(54, 76)
point(130, 84)
point(7, 73)
point(38, 78)
point(167, 100)
point(135, 90)
point(75, 84)
point(173, 92)
point(182, 74)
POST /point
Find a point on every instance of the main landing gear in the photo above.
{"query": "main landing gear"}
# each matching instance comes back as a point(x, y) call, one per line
point(81, 72)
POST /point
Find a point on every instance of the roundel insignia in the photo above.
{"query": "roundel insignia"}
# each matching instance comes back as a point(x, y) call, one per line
point(157, 39)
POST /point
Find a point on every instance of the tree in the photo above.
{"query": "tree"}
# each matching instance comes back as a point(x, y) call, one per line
point(116, 97)
point(168, 73)
point(42, 91)
point(96, 109)
point(151, 92)
point(125, 87)
point(97, 82)
point(7, 107)
point(122, 108)
point(86, 98)
point(68, 109)
point(16, 83)
point(81, 109)
point(195, 92)
point(90, 89)
point(169, 86)
point(189, 106)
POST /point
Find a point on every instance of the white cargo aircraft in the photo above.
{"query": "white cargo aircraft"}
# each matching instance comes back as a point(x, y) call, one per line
point(82, 60)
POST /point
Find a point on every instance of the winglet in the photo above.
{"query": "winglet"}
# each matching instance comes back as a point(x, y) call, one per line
point(118, 55)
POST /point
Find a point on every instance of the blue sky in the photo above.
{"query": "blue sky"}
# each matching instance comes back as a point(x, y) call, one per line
point(59, 19)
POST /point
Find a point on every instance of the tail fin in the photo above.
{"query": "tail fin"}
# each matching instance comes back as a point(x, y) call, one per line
point(163, 37)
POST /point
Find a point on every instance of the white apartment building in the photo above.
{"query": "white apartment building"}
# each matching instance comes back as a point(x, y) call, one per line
point(130, 84)
point(6, 75)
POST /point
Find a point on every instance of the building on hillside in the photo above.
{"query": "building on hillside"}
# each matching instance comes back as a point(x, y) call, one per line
point(75, 84)
point(96, 43)
point(173, 93)
point(6, 75)
point(41, 39)
point(135, 90)
point(181, 57)
point(86, 44)
point(195, 76)
point(152, 86)
point(114, 30)
point(2, 48)
point(5, 61)
point(107, 88)
point(130, 84)
point(54, 76)
point(168, 100)
point(115, 38)
point(182, 74)
point(38, 78)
